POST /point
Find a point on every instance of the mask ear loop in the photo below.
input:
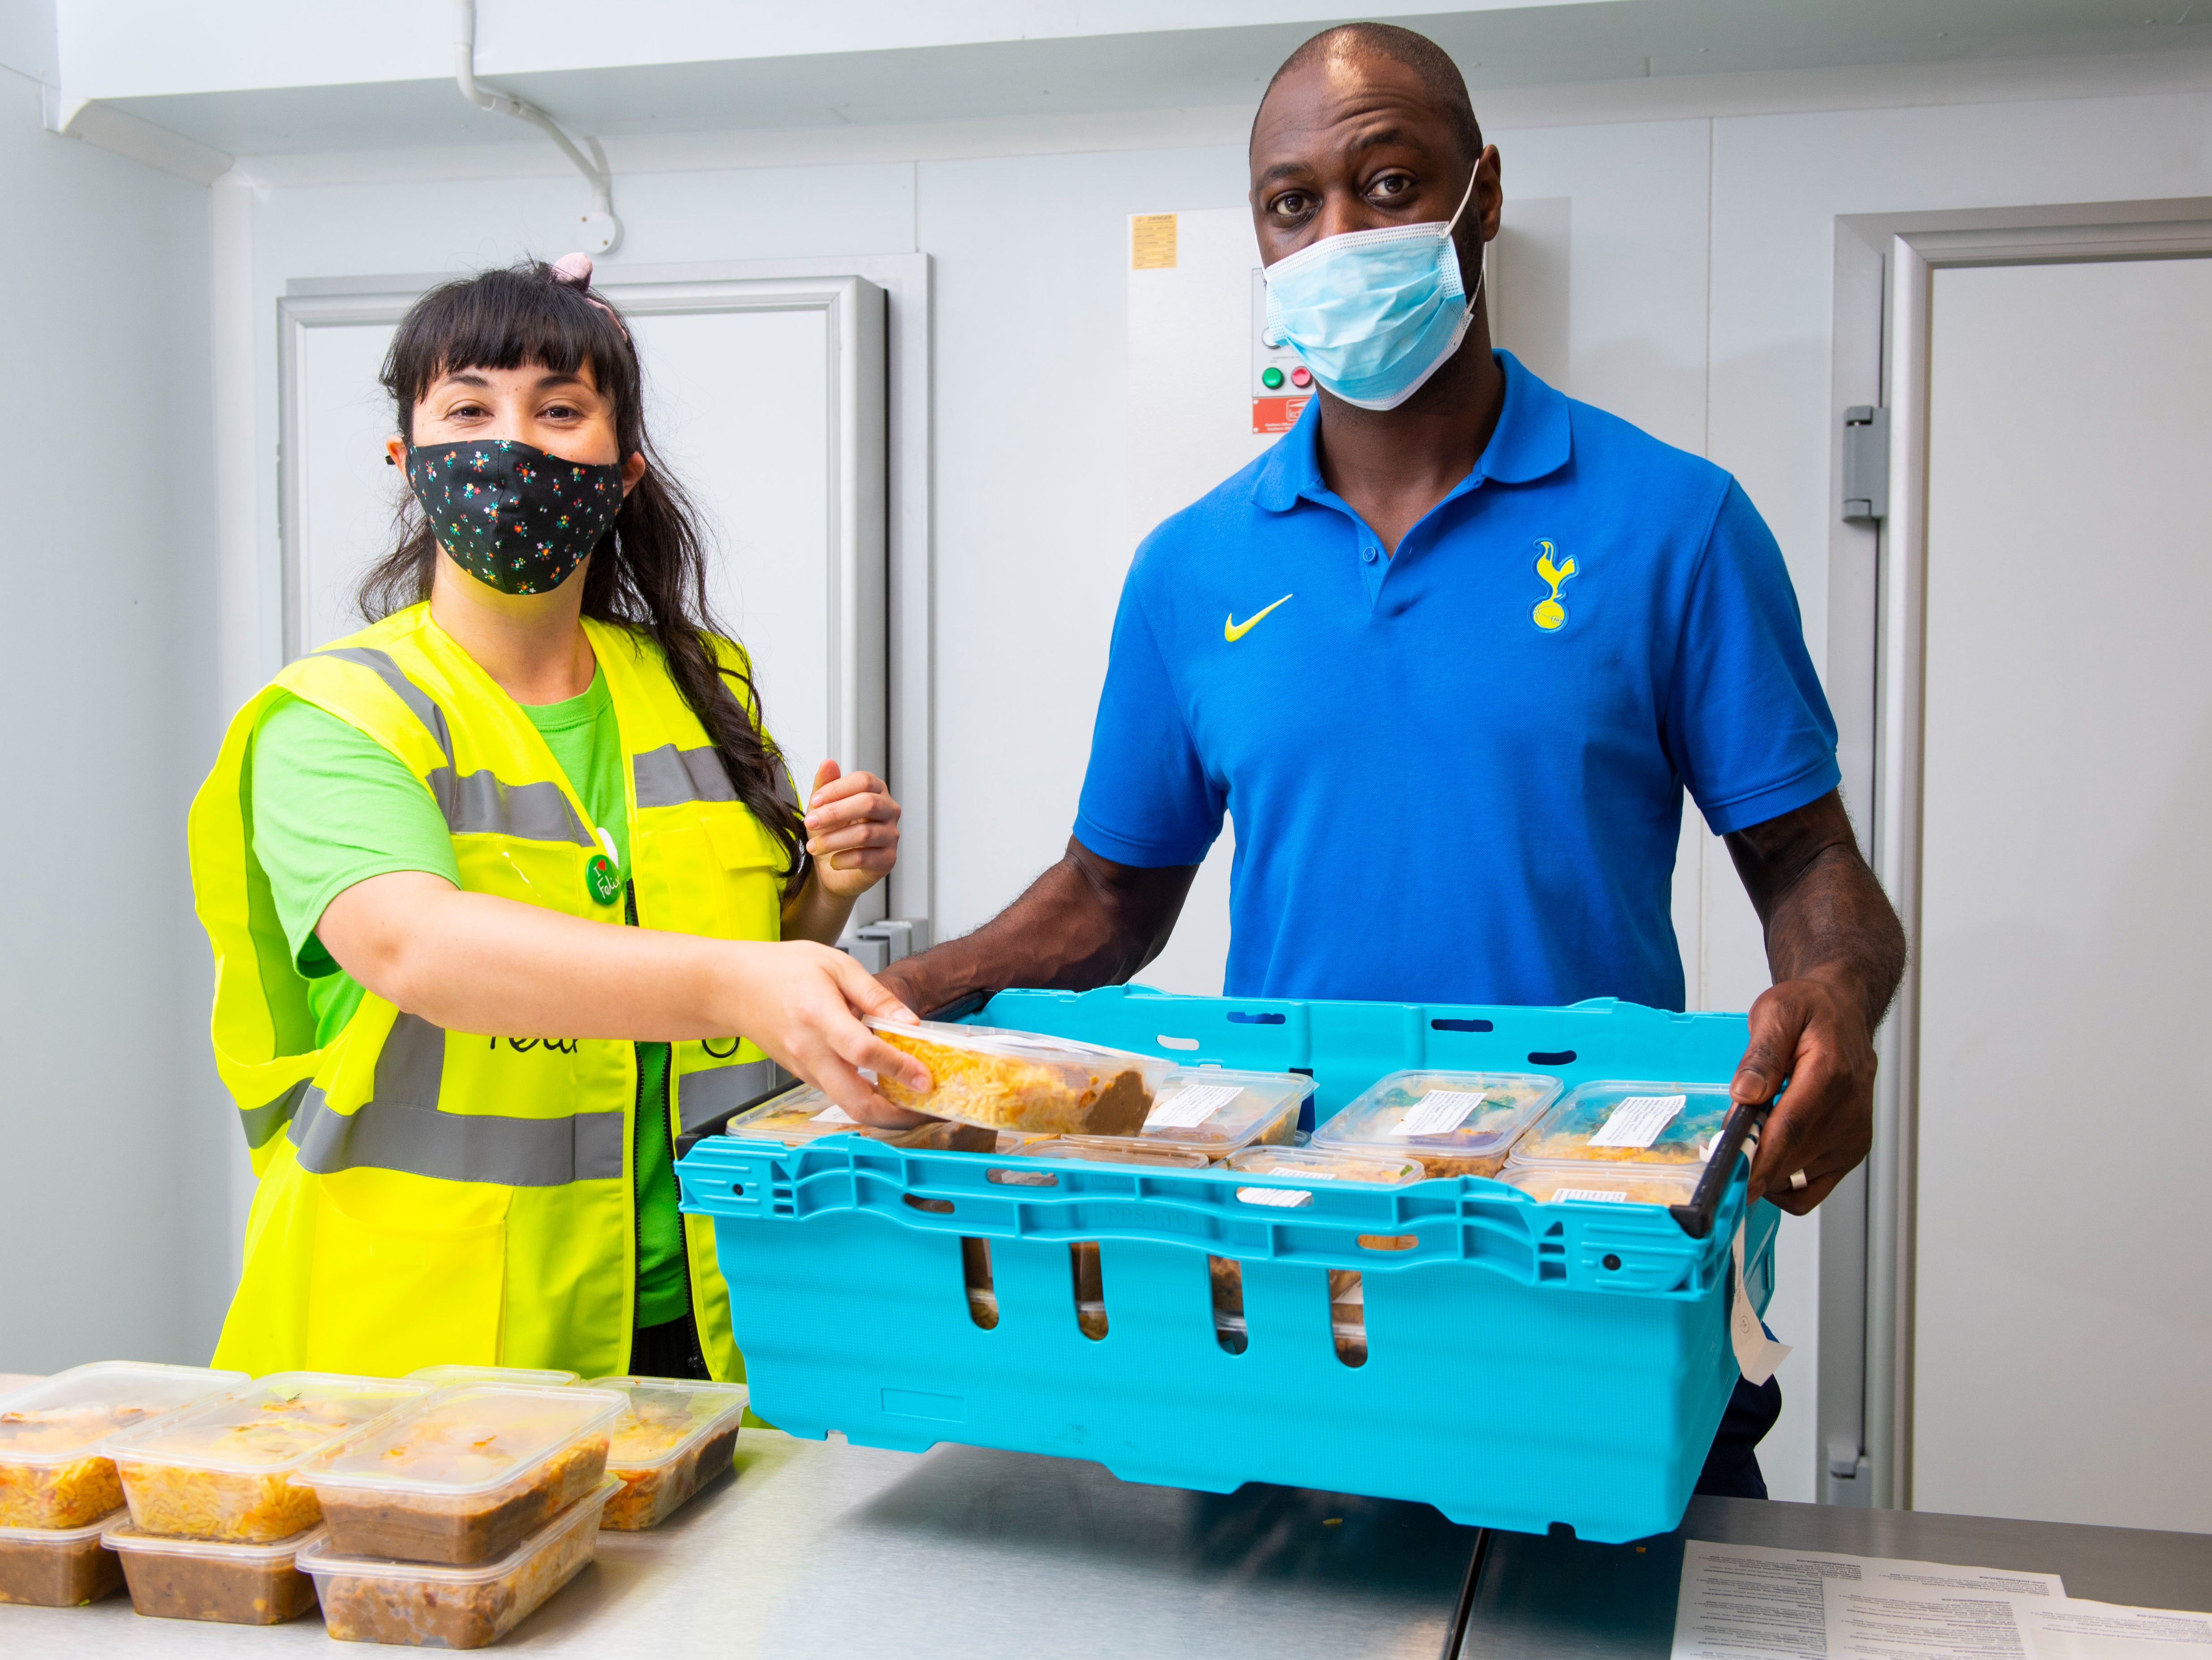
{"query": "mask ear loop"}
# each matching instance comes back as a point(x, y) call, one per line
point(1482, 257)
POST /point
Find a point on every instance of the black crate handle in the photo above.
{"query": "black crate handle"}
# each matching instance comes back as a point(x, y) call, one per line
point(1744, 1119)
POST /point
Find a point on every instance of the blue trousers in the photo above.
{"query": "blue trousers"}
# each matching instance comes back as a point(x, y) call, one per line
point(1732, 1467)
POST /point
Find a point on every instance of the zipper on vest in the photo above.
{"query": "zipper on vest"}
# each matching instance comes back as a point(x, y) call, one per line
point(636, 1205)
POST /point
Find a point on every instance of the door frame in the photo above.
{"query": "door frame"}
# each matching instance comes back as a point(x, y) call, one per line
point(1885, 265)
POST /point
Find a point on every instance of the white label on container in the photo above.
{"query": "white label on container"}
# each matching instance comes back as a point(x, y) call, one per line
point(1592, 1195)
point(1280, 1196)
point(1187, 1108)
point(834, 1115)
point(1637, 1122)
point(1439, 1112)
point(1303, 1175)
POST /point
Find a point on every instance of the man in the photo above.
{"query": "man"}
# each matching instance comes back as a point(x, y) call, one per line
point(1450, 651)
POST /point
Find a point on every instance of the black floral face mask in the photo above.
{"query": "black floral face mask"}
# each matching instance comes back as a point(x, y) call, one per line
point(512, 516)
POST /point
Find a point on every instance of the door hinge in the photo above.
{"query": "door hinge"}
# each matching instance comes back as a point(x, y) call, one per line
point(1866, 464)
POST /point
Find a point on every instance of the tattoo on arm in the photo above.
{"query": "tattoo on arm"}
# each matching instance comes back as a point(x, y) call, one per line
point(1822, 909)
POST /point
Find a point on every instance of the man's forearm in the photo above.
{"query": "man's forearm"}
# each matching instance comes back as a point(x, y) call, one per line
point(1825, 916)
point(1085, 921)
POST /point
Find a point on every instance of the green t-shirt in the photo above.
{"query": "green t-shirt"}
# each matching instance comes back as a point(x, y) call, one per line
point(332, 806)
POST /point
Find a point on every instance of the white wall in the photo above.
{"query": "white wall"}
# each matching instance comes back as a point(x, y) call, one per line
point(1699, 305)
point(111, 1181)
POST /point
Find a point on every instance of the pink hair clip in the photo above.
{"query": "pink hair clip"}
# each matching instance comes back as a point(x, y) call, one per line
point(575, 269)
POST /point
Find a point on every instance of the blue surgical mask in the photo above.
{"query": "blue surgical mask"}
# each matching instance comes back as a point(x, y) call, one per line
point(1374, 313)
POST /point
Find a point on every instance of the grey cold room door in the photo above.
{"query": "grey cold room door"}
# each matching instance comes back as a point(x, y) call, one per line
point(2063, 1328)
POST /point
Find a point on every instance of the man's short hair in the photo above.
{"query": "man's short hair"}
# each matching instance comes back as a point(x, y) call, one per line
point(1439, 76)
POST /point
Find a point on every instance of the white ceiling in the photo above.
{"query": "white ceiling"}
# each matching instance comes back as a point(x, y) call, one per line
point(1506, 45)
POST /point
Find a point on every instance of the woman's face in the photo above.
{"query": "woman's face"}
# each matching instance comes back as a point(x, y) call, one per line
point(564, 415)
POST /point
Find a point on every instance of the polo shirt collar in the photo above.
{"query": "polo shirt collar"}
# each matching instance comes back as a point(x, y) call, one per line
point(1532, 439)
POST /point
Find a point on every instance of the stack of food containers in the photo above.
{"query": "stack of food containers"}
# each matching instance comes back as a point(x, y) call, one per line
point(451, 1519)
point(1614, 1142)
point(439, 1377)
point(217, 1514)
point(58, 1487)
point(1455, 1123)
point(805, 1114)
point(675, 1439)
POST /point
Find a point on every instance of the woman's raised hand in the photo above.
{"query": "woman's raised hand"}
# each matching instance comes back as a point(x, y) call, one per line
point(851, 831)
point(803, 1003)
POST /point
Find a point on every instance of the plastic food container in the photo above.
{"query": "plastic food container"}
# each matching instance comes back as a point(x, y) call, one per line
point(58, 1567)
point(222, 1469)
point(368, 1599)
point(675, 1438)
point(1317, 1164)
point(54, 1467)
point(234, 1583)
point(1017, 1080)
point(1128, 1150)
point(1456, 1123)
point(1565, 1183)
point(465, 1473)
point(1621, 1122)
point(1215, 1111)
point(439, 1377)
point(805, 1114)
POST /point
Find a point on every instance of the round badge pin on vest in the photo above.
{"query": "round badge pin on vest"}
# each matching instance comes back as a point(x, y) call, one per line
point(600, 880)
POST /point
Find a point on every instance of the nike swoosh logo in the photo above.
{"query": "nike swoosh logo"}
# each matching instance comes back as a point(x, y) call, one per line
point(1232, 630)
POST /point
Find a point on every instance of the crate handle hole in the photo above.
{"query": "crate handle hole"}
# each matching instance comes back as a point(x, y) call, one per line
point(1390, 1241)
point(1348, 1316)
point(975, 1283)
point(1087, 1273)
point(1551, 1057)
point(934, 1206)
point(1279, 1198)
point(1022, 1178)
point(1225, 1286)
point(1262, 1018)
point(1462, 1025)
point(1167, 1043)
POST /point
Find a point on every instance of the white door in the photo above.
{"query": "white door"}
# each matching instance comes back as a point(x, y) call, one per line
point(764, 399)
point(2062, 1314)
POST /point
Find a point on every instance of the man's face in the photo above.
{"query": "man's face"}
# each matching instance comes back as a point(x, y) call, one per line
point(1351, 142)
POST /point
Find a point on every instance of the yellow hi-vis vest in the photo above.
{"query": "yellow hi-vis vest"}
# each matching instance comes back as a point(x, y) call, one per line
point(431, 1196)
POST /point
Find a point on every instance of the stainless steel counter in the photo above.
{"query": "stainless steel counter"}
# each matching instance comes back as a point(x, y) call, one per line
point(821, 1548)
point(1559, 1599)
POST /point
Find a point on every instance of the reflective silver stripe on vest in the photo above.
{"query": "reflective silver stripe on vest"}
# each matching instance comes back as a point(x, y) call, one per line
point(476, 803)
point(669, 776)
point(702, 1098)
point(262, 1122)
point(401, 1128)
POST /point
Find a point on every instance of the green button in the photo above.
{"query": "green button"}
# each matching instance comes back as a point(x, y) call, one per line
point(1271, 377)
point(600, 880)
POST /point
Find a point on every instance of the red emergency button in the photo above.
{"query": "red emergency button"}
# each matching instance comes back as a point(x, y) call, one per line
point(1302, 376)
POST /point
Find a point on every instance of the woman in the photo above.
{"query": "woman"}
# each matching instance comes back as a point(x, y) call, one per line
point(495, 883)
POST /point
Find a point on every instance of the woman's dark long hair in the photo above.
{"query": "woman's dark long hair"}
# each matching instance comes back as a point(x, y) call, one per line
point(649, 571)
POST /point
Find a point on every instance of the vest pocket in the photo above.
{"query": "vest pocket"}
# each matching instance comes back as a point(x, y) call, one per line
point(403, 1276)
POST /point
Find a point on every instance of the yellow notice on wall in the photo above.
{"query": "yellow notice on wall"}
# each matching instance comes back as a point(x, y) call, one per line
point(1151, 242)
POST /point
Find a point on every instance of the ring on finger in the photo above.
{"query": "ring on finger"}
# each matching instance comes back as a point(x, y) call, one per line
point(1797, 1182)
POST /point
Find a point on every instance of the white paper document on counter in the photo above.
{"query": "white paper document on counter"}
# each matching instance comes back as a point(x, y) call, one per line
point(1756, 1602)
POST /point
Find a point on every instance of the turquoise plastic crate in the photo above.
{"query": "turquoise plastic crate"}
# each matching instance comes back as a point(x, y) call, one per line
point(1527, 1363)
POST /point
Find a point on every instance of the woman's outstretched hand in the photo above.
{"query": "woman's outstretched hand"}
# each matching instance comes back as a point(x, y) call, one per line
point(803, 1004)
point(851, 831)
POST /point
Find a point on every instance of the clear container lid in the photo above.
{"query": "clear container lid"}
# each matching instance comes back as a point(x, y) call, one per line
point(1566, 1184)
point(118, 1535)
point(317, 1558)
point(440, 1376)
point(1460, 1115)
point(1319, 1164)
point(667, 1417)
point(466, 1440)
point(1118, 1153)
point(268, 1426)
point(1022, 1080)
point(1613, 1121)
point(61, 1538)
point(66, 1417)
point(1218, 1111)
point(805, 1114)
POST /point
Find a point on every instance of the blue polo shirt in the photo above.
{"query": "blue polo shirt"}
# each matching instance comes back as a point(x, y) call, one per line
point(1456, 774)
